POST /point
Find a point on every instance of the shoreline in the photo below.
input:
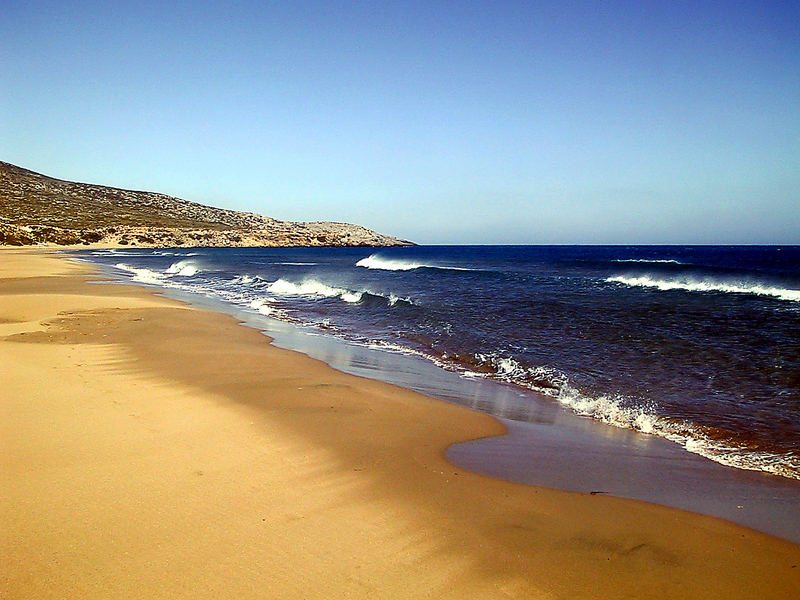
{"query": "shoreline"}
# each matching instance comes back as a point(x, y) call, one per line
point(591, 379)
point(145, 460)
point(546, 444)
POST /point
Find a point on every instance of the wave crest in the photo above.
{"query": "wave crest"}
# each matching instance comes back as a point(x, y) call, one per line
point(708, 285)
point(693, 438)
point(311, 287)
point(649, 260)
point(386, 264)
point(142, 275)
point(390, 264)
point(261, 305)
point(620, 412)
point(314, 288)
point(184, 268)
point(249, 280)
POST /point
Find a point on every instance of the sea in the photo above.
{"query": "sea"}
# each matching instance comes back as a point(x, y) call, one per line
point(699, 345)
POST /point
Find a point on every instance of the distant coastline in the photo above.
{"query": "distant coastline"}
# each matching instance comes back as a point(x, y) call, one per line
point(36, 210)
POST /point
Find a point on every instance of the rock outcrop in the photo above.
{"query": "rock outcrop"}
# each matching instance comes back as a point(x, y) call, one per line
point(36, 209)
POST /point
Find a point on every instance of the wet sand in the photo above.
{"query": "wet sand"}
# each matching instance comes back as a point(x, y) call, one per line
point(150, 449)
point(548, 445)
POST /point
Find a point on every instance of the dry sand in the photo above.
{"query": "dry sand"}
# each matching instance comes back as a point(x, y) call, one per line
point(152, 450)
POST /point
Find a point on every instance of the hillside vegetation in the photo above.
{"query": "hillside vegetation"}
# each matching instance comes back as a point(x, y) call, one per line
point(35, 209)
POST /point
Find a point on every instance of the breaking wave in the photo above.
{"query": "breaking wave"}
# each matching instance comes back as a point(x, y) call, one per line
point(184, 268)
point(693, 438)
point(389, 264)
point(314, 288)
point(311, 287)
point(624, 413)
point(707, 285)
point(649, 260)
point(386, 264)
point(247, 279)
point(261, 305)
point(142, 275)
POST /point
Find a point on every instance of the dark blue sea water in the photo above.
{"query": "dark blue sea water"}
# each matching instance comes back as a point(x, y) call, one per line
point(700, 345)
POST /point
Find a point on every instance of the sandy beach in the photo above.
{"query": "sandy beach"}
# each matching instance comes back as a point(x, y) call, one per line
point(155, 450)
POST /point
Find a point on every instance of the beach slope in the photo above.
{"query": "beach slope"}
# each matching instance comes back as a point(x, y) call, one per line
point(153, 450)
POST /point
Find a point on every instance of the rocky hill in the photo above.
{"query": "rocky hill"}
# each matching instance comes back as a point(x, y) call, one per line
point(36, 209)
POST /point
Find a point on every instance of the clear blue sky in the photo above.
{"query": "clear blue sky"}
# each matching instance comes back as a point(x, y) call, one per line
point(441, 122)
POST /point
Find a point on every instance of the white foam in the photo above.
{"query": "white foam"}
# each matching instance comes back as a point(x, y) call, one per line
point(386, 264)
point(692, 438)
point(260, 304)
point(615, 411)
point(311, 287)
point(399, 349)
point(650, 260)
point(142, 275)
point(395, 299)
point(503, 367)
point(184, 268)
point(708, 285)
